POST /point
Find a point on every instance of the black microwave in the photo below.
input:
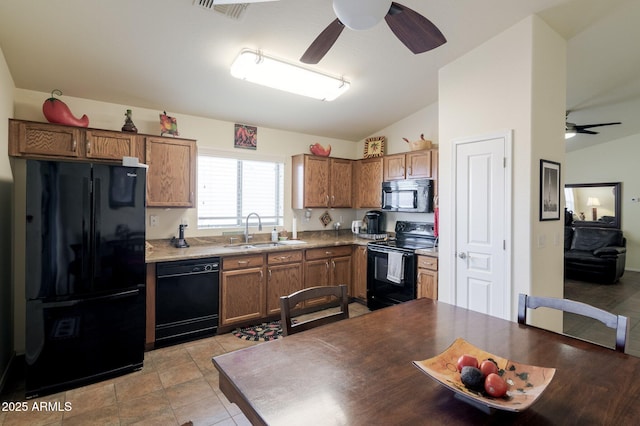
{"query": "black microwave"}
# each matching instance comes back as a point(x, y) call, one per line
point(408, 195)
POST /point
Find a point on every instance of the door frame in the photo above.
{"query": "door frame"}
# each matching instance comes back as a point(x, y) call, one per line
point(507, 135)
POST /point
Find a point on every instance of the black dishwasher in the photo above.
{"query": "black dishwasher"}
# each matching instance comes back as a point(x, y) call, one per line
point(187, 295)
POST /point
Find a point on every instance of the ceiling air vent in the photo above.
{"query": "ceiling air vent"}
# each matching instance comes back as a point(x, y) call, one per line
point(233, 11)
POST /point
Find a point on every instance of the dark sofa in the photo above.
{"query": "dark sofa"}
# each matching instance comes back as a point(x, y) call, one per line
point(595, 254)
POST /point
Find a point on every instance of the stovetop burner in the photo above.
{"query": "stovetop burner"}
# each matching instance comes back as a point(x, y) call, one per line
point(410, 236)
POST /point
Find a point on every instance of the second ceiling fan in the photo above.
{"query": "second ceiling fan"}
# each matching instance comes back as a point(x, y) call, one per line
point(572, 129)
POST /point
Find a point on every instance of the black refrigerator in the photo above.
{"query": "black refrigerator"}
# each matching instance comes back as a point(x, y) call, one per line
point(85, 273)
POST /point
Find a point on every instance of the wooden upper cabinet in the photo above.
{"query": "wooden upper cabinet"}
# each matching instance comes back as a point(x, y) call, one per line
point(31, 139)
point(394, 166)
point(105, 145)
point(171, 178)
point(341, 178)
point(367, 183)
point(410, 165)
point(320, 182)
point(418, 165)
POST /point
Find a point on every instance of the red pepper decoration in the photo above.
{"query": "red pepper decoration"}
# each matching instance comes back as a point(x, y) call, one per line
point(56, 111)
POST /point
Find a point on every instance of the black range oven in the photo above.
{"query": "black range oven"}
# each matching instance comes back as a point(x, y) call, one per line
point(392, 265)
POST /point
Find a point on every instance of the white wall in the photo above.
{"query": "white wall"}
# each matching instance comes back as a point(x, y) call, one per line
point(6, 187)
point(514, 81)
point(615, 161)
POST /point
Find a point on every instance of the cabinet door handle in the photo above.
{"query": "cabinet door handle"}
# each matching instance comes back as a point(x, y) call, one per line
point(261, 275)
point(285, 257)
point(333, 265)
point(243, 262)
point(74, 145)
point(327, 202)
point(328, 253)
point(326, 263)
point(269, 277)
point(88, 146)
point(333, 199)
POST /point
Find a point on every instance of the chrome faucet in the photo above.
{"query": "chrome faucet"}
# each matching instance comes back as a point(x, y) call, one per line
point(246, 226)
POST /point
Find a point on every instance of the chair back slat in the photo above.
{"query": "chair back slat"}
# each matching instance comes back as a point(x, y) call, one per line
point(288, 307)
point(617, 322)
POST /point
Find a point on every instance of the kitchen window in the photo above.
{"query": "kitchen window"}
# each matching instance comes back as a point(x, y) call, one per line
point(231, 188)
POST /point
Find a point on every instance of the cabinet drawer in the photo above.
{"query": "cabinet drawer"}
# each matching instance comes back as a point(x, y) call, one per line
point(428, 262)
point(284, 257)
point(242, 262)
point(326, 252)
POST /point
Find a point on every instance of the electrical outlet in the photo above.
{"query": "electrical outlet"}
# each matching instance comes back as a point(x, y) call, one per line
point(184, 221)
point(153, 220)
point(542, 241)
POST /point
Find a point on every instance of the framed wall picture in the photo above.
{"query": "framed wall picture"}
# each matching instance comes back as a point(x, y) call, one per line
point(374, 147)
point(549, 190)
point(245, 137)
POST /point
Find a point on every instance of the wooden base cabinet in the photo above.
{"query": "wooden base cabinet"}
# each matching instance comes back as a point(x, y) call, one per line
point(359, 280)
point(242, 289)
point(284, 276)
point(327, 266)
point(427, 277)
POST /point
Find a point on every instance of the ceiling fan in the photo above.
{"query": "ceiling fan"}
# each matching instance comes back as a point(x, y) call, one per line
point(414, 30)
point(572, 129)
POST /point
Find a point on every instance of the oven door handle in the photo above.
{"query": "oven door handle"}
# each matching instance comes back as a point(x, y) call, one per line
point(386, 251)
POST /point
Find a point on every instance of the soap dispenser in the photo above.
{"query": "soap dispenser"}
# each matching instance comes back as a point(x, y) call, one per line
point(274, 235)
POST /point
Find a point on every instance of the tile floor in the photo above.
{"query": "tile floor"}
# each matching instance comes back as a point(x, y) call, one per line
point(176, 385)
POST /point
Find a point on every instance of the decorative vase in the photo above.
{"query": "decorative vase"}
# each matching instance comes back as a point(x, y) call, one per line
point(128, 123)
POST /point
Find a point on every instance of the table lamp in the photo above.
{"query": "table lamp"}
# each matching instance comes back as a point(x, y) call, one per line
point(594, 203)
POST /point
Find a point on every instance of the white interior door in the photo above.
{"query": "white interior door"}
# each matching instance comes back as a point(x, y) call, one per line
point(482, 224)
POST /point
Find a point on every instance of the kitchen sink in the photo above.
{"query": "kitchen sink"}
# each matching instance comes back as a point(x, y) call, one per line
point(251, 246)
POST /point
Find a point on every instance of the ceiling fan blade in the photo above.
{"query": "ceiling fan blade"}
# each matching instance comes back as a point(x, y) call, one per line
point(414, 30)
point(588, 132)
point(323, 43)
point(588, 126)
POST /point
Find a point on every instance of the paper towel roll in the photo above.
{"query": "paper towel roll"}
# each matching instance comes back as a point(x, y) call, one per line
point(294, 229)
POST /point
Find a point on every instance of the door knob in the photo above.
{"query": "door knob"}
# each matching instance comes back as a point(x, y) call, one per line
point(462, 255)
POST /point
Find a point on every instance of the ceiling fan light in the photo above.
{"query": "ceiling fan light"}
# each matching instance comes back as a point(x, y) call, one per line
point(264, 70)
point(569, 134)
point(361, 14)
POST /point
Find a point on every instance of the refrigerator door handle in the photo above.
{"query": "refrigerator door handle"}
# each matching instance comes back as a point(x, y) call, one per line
point(68, 303)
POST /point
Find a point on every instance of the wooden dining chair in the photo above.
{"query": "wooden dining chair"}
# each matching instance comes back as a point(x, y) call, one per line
point(619, 323)
point(336, 296)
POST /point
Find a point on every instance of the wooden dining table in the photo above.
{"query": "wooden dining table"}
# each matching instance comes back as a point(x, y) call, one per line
point(359, 371)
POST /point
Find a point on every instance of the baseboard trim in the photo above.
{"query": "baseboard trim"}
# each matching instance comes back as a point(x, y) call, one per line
point(632, 269)
point(7, 372)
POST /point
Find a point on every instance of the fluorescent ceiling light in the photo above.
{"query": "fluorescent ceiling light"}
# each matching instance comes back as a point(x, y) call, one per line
point(258, 68)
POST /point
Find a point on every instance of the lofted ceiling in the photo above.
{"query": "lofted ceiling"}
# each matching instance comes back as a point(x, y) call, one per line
point(174, 55)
